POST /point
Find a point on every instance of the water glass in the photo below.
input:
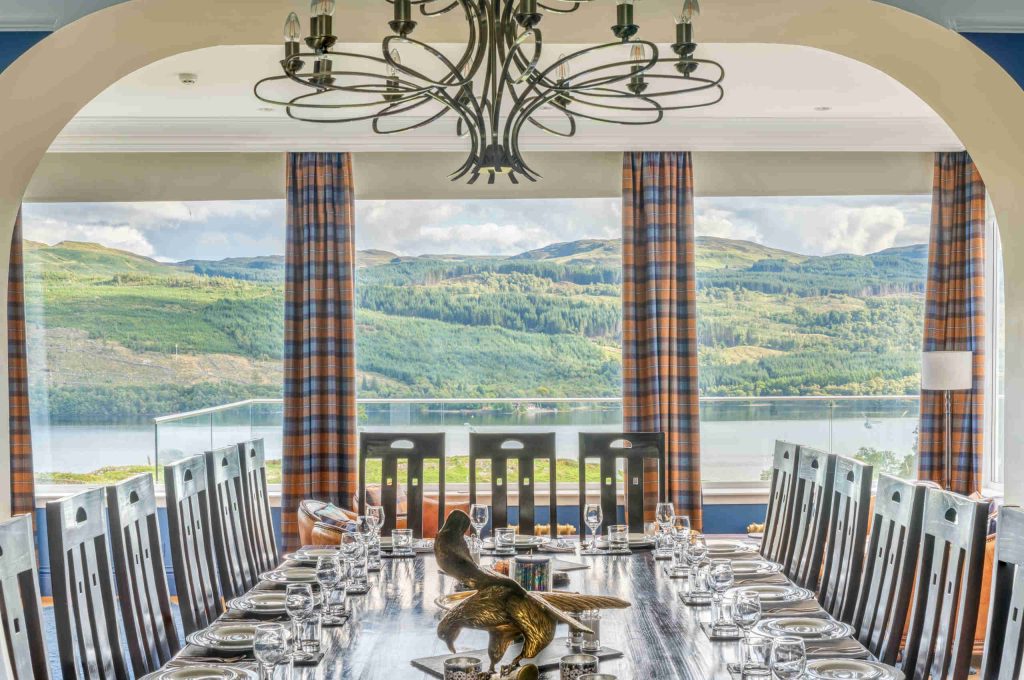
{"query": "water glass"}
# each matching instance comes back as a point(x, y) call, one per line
point(473, 544)
point(755, 656)
point(462, 668)
point(593, 517)
point(271, 645)
point(618, 539)
point(663, 514)
point(591, 618)
point(358, 582)
point(699, 582)
point(789, 658)
point(375, 513)
point(479, 515)
point(401, 542)
point(747, 611)
point(309, 636)
point(505, 541)
point(328, 575)
point(575, 666)
point(721, 580)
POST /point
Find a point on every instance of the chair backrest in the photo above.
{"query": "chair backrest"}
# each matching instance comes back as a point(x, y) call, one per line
point(411, 450)
point(141, 579)
point(263, 538)
point(883, 602)
point(24, 638)
point(812, 500)
point(635, 449)
point(846, 531)
point(191, 538)
point(88, 636)
point(1004, 645)
point(950, 565)
point(523, 449)
point(776, 543)
point(231, 538)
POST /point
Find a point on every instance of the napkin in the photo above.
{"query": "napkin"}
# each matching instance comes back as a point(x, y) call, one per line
point(845, 648)
point(800, 608)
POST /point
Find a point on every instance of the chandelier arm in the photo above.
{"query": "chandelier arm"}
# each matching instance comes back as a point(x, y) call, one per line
point(561, 10)
point(298, 102)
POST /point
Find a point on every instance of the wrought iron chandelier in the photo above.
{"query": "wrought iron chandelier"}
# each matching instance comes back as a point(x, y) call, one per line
point(497, 85)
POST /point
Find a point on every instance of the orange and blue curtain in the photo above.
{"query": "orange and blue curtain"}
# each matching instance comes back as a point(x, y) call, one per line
point(22, 479)
point(320, 440)
point(659, 309)
point(955, 320)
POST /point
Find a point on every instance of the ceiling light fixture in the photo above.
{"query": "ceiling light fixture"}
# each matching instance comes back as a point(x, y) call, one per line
point(497, 85)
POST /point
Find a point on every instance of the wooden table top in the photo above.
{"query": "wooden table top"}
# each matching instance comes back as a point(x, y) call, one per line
point(396, 622)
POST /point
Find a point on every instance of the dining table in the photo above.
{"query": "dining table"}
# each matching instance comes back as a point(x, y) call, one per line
point(395, 622)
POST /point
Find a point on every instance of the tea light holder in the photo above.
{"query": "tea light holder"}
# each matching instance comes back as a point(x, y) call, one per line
point(575, 666)
point(462, 668)
point(533, 572)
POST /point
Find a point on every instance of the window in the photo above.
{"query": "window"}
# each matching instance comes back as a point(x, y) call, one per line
point(995, 335)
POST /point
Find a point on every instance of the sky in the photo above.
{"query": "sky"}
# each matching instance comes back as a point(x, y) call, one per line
point(175, 231)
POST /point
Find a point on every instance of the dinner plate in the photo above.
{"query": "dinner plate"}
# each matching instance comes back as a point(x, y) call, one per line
point(522, 541)
point(201, 672)
point(311, 555)
point(777, 593)
point(757, 535)
point(290, 575)
point(755, 567)
point(850, 669)
point(423, 545)
point(722, 546)
point(636, 540)
point(225, 637)
point(268, 603)
point(804, 627)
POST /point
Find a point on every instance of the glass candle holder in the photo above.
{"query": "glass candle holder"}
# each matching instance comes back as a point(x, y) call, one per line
point(401, 542)
point(575, 666)
point(755, 658)
point(618, 538)
point(505, 541)
point(592, 640)
point(533, 572)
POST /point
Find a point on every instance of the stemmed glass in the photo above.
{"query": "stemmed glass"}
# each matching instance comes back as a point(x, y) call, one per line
point(328, 575)
point(679, 526)
point(789, 658)
point(747, 611)
point(271, 645)
point(298, 602)
point(663, 514)
point(350, 546)
point(696, 551)
point(478, 516)
point(366, 527)
point(375, 513)
point(721, 580)
point(593, 517)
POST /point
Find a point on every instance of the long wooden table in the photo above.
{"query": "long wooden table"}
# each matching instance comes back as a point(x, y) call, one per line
point(396, 622)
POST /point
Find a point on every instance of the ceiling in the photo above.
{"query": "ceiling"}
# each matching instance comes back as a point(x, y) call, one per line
point(778, 98)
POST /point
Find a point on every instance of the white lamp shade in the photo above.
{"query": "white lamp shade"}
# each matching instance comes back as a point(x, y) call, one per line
point(941, 371)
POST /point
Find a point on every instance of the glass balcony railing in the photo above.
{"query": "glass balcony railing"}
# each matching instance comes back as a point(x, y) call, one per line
point(737, 433)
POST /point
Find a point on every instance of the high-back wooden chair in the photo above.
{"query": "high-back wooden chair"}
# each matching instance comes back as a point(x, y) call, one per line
point(890, 558)
point(947, 587)
point(776, 542)
point(846, 531)
point(232, 542)
point(524, 450)
point(263, 538)
point(812, 501)
point(141, 579)
point(88, 636)
point(24, 639)
point(191, 538)
point(411, 451)
point(1004, 644)
point(634, 449)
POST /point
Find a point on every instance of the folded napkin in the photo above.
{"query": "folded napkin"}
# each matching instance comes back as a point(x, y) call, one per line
point(189, 660)
point(765, 579)
point(846, 648)
point(801, 608)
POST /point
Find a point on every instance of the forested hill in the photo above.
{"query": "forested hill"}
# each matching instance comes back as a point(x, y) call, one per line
point(123, 334)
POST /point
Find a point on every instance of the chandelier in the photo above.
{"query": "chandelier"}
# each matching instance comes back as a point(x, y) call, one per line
point(499, 83)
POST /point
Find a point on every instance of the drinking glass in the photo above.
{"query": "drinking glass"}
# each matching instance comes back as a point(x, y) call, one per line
point(663, 514)
point(591, 618)
point(755, 655)
point(401, 542)
point(328, 575)
point(358, 581)
point(679, 526)
point(367, 530)
point(618, 538)
point(298, 602)
point(789, 659)
point(696, 551)
point(309, 641)
point(593, 517)
point(721, 580)
point(747, 611)
point(573, 666)
point(479, 515)
point(271, 646)
point(505, 541)
point(376, 515)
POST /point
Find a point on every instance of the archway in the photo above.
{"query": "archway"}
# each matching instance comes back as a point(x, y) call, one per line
point(45, 88)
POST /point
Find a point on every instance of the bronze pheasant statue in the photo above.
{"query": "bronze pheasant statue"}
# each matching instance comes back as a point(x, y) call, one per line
point(500, 605)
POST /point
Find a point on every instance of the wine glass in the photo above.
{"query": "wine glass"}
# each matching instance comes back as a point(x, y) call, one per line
point(271, 645)
point(365, 528)
point(789, 658)
point(663, 514)
point(747, 611)
point(328, 574)
point(721, 580)
point(679, 526)
point(593, 517)
point(479, 515)
point(298, 602)
point(696, 551)
point(375, 513)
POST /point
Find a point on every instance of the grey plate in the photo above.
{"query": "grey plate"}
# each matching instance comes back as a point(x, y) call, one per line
point(225, 637)
point(201, 672)
point(806, 627)
point(771, 593)
point(850, 669)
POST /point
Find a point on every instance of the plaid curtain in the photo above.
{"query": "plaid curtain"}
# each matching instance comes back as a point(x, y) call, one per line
point(320, 453)
point(955, 320)
point(23, 499)
point(659, 309)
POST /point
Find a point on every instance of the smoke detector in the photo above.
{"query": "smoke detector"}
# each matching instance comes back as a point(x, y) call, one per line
point(188, 78)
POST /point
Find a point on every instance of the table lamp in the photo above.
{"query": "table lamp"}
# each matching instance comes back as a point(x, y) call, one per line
point(947, 371)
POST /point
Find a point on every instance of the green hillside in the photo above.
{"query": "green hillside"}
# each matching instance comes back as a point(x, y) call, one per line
point(114, 334)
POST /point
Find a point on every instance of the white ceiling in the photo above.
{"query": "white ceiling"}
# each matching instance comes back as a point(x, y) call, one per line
point(774, 97)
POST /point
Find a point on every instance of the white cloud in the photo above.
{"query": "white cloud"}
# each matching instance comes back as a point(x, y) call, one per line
point(53, 231)
point(725, 224)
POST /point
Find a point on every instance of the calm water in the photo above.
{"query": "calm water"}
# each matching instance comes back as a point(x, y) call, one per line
point(732, 450)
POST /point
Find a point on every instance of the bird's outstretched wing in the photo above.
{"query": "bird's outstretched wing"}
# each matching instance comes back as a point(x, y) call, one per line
point(576, 602)
point(556, 613)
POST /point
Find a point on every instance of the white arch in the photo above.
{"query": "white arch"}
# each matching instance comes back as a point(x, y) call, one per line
point(48, 85)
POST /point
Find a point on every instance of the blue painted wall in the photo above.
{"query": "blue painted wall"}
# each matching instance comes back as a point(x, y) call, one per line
point(14, 43)
point(1006, 48)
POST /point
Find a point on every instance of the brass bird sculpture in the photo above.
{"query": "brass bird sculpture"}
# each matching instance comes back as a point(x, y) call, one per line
point(500, 605)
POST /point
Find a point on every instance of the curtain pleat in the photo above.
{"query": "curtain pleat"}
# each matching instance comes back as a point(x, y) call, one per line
point(320, 448)
point(659, 303)
point(22, 479)
point(955, 320)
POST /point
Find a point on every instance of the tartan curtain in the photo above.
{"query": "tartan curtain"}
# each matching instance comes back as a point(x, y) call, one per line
point(955, 320)
point(22, 480)
point(320, 452)
point(659, 308)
